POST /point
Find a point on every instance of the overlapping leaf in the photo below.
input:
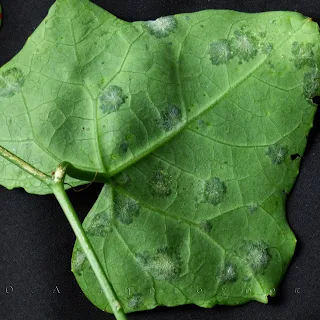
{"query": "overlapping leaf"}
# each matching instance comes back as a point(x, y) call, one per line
point(194, 117)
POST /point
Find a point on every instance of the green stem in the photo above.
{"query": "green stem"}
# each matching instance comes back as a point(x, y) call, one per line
point(56, 183)
point(75, 223)
point(79, 174)
point(25, 166)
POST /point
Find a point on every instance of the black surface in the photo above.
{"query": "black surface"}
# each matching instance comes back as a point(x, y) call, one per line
point(36, 240)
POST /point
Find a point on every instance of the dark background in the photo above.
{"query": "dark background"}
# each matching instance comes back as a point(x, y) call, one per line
point(36, 241)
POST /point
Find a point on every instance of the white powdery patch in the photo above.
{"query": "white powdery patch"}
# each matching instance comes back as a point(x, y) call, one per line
point(164, 264)
point(277, 153)
point(135, 302)
point(161, 27)
point(229, 273)
point(257, 255)
point(111, 99)
point(79, 258)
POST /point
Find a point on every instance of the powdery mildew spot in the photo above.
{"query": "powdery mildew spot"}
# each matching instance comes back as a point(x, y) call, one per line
point(161, 27)
point(311, 83)
point(100, 225)
point(126, 209)
point(256, 253)
point(11, 82)
point(163, 264)
point(277, 153)
point(214, 191)
point(170, 118)
point(303, 54)
point(160, 183)
point(111, 99)
point(135, 302)
point(244, 45)
point(78, 260)
point(229, 273)
point(220, 52)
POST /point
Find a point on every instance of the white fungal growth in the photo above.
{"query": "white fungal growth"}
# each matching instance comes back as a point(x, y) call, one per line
point(111, 99)
point(164, 264)
point(244, 45)
point(220, 52)
point(257, 254)
point(78, 260)
point(161, 27)
point(135, 302)
point(277, 153)
point(229, 273)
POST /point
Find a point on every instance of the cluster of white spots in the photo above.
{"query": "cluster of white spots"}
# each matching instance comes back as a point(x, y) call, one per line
point(78, 260)
point(160, 183)
point(277, 153)
point(303, 55)
point(229, 273)
point(126, 209)
point(111, 99)
point(311, 83)
point(164, 264)
point(161, 27)
point(170, 118)
point(256, 253)
point(135, 302)
point(214, 191)
point(220, 52)
point(244, 45)
point(100, 225)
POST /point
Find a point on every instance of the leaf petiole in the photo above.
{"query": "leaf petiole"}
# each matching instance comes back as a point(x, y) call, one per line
point(56, 183)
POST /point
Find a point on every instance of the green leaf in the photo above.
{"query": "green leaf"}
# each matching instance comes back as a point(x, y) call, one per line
point(194, 118)
point(102, 93)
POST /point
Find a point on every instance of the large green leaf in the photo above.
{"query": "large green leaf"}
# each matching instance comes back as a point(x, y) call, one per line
point(102, 93)
point(194, 117)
